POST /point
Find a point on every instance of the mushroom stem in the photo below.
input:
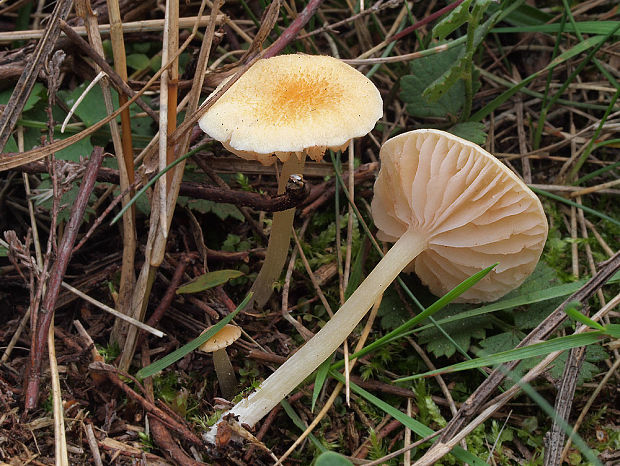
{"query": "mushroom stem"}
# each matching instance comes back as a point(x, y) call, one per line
point(225, 373)
point(279, 238)
point(299, 366)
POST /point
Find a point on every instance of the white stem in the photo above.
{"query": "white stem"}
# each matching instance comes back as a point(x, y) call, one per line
point(299, 366)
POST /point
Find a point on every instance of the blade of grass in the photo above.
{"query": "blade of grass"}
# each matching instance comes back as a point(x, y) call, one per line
point(173, 357)
point(540, 95)
point(540, 401)
point(600, 171)
point(531, 351)
point(586, 27)
point(574, 314)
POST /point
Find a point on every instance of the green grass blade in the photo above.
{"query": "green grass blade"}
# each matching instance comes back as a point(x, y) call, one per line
point(600, 28)
point(531, 351)
point(416, 426)
point(586, 153)
point(573, 312)
point(173, 357)
point(600, 171)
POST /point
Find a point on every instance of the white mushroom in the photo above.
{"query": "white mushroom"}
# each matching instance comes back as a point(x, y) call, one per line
point(453, 209)
point(291, 105)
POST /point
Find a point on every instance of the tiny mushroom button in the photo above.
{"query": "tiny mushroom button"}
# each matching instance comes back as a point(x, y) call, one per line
point(217, 345)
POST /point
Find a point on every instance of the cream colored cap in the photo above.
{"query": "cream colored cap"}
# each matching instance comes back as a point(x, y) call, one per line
point(293, 104)
point(473, 210)
point(225, 337)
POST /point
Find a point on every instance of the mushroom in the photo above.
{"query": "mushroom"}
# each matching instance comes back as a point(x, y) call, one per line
point(217, 345)
point(452, 209)
point(287, 107)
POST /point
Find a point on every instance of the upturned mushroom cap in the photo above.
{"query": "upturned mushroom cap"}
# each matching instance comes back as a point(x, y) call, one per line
point(225, 337)
point(293, 104)
point(473, 210)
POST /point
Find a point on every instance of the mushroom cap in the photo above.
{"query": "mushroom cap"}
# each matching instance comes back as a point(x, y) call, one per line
point(225, 337)
point(472, 209)
point(293, 104)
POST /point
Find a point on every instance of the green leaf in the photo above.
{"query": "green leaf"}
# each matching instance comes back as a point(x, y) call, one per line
point(453, 20)
point(527, 15)
point(91, 109)
point(426, 70)
point(209, 280)
point(75, 152)
point(462, 331)
point(471, 130)
point(537, 349)
point(173, 357)
point(204, 206)
point(392, 311)
point(3, 251)
point(138, 61)
point(331, 458)
point(34, 97)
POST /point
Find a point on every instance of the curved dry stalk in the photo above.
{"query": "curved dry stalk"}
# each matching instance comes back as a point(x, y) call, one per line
point(278, 245)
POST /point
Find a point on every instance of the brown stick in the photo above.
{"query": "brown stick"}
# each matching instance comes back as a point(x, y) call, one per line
point(292, 197)
point(293, 29)
point(56, 275)
point(426, 20)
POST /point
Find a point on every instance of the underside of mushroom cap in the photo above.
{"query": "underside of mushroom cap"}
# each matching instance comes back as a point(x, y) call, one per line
point(473, 210)
point(294, 104)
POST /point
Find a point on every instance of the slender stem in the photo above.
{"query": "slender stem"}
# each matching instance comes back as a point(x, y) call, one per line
point(324, 343)
point(225, 373)
point(279, 238)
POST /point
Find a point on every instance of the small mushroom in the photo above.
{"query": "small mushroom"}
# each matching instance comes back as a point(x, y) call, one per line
point(452, 209)
point(287, 107)
point(217, 345)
